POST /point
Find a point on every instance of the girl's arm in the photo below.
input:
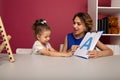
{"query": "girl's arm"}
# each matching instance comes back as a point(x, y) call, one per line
point(104, 51)
point(54, 53)
point(51, 48)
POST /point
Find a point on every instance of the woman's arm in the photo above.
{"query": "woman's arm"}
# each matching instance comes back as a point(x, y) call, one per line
point(65, 45)
point(104, 51)
point(73, 48)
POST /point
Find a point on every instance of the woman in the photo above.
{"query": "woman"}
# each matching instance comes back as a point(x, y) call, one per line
point(82, 23)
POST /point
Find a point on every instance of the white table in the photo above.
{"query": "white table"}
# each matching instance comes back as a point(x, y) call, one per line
point(39, 67)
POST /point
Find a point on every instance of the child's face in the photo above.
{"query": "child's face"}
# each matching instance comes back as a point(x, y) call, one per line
point(44, 37)
point(79, 26)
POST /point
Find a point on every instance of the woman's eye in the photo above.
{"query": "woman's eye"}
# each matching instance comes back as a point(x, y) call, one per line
point(74, 23)
point(78, 24)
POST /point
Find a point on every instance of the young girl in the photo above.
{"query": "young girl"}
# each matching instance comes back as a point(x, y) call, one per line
point(82, 23)
point(42, 34)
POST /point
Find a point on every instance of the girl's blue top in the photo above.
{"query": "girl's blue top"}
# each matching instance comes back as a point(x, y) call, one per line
point(72, 41)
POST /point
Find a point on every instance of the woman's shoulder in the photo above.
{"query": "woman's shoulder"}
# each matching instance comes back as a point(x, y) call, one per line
point(70, 34)
point(70, 37)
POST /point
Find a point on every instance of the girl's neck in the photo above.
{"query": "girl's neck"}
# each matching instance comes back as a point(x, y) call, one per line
point(44, 44)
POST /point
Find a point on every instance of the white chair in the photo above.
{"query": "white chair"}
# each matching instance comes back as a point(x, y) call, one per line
point(23, 51)
point(115, 48)
point(61, 47)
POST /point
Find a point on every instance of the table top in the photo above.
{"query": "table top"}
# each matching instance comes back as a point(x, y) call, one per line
point(40, 67)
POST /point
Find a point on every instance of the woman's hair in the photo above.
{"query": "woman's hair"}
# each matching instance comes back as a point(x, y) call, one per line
point(39, 26)
point(86, 19)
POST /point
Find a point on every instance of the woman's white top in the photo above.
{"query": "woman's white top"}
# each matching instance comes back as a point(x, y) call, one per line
point(38, 46)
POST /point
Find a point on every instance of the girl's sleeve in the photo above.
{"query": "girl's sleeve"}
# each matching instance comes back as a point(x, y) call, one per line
point(36, 47)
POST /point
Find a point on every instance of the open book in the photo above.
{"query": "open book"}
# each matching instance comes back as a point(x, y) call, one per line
point(88, 43)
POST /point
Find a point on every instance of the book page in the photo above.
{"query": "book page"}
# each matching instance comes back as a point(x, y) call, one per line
point(88, 43)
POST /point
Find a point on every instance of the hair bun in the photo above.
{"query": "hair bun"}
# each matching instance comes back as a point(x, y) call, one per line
point(40, 22)
point(43, 21)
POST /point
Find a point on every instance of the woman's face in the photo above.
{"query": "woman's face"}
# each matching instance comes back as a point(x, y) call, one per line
point(78, 26)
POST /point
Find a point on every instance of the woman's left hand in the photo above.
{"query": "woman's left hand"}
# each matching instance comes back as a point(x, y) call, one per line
point(93, 54)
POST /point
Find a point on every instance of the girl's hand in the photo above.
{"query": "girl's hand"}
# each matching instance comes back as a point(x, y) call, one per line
point(93, 54)
point(68, 54)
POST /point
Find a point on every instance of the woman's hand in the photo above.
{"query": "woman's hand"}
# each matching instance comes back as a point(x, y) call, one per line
point(73, 48)
point(93, 54)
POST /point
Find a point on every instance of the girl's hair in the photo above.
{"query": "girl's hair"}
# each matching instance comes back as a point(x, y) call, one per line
point(39, 26)
point(86, 19)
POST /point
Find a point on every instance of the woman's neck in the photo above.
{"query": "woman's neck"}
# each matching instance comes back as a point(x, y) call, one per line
point(78, 36)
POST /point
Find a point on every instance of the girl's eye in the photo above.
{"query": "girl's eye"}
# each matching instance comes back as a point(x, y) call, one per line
point(46, 36)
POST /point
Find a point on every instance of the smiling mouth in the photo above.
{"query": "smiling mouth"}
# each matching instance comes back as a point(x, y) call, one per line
point(75, 30)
